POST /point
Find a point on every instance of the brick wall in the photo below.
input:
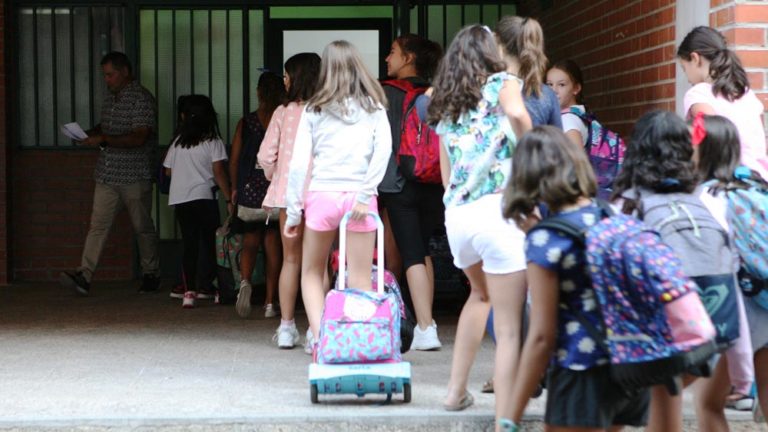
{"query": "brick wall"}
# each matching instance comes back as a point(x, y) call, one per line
point(4, 175)
point(626, 50)
point(52, 200)
point(745, 25)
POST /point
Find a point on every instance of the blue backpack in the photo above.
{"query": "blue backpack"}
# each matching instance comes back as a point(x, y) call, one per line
point(655, 326)
point(748, 218)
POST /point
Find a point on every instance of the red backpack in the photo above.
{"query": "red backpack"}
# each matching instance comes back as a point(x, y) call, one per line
point(419, 153)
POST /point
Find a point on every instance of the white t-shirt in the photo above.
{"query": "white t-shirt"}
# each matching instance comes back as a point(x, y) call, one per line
point(746, 113)
point(717, 204)
point(192, 170)
point(573, 122)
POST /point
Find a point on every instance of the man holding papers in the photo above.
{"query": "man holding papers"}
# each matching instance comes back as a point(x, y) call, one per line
point(127, 136)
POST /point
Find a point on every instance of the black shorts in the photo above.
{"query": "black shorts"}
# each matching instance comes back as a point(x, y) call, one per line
point(589, 399)
point(414, 214)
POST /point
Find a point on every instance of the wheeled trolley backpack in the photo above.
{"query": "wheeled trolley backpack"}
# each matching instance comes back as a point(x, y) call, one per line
point(358, 349)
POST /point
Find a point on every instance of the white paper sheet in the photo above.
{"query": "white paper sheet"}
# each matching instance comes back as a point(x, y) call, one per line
point(74, 131)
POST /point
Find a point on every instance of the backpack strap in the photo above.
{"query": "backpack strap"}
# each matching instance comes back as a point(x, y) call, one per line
point(578, 234)
point(559, 223)
point(400, 84)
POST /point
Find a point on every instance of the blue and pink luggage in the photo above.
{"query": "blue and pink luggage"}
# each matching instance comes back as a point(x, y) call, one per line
point(359, 345)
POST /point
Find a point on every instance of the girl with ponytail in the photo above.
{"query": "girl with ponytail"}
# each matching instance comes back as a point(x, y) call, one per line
point(522, 44)
point(720, 86)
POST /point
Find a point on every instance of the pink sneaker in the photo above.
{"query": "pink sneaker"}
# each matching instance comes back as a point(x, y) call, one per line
point(189, 300)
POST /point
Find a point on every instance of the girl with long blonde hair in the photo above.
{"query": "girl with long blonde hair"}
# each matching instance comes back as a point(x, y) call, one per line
point(344, 129)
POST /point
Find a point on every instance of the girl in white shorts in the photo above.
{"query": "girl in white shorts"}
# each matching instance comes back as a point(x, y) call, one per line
point(344, 129)
point(479, 111)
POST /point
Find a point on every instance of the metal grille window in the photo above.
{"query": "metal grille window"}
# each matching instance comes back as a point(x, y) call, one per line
point(60, 49)
point(213, 52)
point(440, 22)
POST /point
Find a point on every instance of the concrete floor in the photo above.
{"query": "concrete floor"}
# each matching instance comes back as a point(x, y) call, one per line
point(118, 360)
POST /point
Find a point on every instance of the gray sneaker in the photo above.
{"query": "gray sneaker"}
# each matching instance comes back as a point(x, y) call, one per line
point(286, 337)
point(243, 305)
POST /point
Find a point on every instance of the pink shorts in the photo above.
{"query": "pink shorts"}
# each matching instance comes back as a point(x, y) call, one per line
point(323, 211)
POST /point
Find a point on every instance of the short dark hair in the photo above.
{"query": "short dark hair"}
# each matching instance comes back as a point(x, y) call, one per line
point(547, 168)
point(270, 91)
point(118, 60)
point(427, 54)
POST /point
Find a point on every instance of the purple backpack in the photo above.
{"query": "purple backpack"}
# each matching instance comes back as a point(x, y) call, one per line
point(605, 149)
point(654, 325)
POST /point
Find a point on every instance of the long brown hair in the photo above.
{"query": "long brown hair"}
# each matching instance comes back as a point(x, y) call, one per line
point(728, 75)
point(523, 38)
point(303, 69)
point(547, 168)
point(471, 58)
point(343, 75)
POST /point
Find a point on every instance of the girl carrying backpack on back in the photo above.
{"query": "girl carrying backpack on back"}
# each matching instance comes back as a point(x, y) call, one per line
point(604, 147)
point(414, 208)
point(729, 189)
point(548, 169)
point(658, 184)
point(196, 162)
point(565, 78)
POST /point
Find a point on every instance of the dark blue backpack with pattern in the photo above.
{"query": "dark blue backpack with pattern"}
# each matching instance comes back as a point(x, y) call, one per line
point(654, 325)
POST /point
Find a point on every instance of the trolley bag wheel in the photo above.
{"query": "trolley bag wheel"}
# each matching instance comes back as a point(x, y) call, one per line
point(406, 392)
point(313, 393)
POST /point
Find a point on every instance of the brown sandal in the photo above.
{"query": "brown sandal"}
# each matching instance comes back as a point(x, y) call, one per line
point(487, 386)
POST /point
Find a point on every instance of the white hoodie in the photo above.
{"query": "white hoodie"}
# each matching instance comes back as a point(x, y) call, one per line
point(350, 149)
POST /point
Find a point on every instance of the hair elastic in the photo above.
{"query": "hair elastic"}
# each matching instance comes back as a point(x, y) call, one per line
point(699, 130)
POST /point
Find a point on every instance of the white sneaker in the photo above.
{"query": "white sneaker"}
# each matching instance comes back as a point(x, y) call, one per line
point(426, 340)
point(189, 300)
point(269, 311)
point(286, 337)
point(243, 305)
point(309, 343)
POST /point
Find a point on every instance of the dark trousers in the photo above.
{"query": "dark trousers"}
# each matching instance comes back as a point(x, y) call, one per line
point(198, 221)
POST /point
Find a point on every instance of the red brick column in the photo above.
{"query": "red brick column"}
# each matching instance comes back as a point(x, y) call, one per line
point(4, 178)
point(745, 25)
